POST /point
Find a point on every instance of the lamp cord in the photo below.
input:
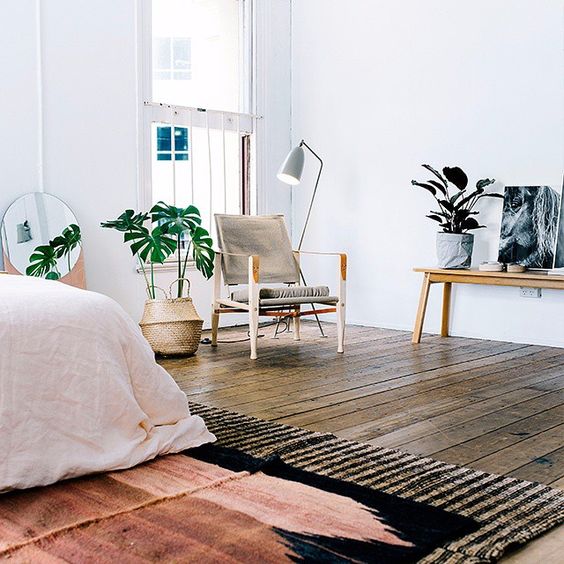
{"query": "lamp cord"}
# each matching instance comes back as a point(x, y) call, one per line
point(207, 340)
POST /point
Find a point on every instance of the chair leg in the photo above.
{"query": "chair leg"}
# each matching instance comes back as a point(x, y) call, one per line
point(297, 326)
point(216, 296)
point(214, 327)
point(341, 327)
point(341, 304)
point(254, 262)
point(253, 332)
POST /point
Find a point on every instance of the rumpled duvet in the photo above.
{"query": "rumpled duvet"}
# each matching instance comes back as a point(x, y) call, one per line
point(80, 390)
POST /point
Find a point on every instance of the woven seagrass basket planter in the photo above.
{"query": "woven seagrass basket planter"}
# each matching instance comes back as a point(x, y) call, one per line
point(172, 326)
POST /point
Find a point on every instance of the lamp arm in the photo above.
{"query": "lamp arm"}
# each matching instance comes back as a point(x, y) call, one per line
point(303, 143)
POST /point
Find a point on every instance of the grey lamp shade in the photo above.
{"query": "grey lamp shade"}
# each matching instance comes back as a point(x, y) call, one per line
point(291, 170)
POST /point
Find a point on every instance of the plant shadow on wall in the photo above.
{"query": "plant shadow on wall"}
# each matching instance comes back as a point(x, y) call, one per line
point(43, 260)
point(171, 325)
point(455, 214)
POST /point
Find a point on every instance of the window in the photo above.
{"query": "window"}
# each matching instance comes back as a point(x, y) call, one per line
point(198, 136)
point(164, 149)
point(197, 53)
point(172, 58)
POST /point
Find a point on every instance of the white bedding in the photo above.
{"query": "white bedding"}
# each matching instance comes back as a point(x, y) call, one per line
point(80, 390)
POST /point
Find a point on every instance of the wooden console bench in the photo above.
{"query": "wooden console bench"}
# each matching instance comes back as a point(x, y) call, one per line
point(529, 279)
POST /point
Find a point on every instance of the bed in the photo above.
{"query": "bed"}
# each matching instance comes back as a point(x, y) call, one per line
point(80, 391)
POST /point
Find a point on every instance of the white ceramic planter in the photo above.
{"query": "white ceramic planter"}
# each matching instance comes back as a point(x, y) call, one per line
point(454, 250)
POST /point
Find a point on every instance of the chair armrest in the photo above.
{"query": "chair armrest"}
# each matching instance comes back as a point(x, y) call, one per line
point(333, 254)
point(254, 268)
point(254, 261)
point(343, 261)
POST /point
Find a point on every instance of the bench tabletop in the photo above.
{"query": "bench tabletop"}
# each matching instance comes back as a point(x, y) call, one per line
point(474, 272)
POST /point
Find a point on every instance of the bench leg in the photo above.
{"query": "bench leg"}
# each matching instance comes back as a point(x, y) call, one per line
point(418, 329)
point(446, 309)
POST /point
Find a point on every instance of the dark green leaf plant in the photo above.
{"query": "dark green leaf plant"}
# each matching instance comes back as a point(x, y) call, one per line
point(455, 202)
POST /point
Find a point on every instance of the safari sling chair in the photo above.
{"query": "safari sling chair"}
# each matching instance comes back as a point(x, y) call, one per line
point(256, 250)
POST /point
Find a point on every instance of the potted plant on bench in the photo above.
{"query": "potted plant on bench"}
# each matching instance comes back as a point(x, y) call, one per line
point(455, 214)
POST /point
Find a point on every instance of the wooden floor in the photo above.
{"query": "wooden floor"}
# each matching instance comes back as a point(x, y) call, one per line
point(497, 407)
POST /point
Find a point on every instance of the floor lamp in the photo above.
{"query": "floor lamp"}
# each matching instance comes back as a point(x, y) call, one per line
point(291, 173)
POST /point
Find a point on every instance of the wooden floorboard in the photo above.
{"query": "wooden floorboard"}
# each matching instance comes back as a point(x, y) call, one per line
point(486, 435)
point(497, 407)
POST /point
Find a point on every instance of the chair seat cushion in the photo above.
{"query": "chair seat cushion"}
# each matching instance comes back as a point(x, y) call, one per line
point(287, 295)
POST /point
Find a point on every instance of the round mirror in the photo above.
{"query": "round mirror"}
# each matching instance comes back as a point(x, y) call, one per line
point(40, 237)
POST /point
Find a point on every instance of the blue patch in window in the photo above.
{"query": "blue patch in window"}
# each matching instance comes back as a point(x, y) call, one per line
point(181, 138)
point(163, 139)
point(164, 143)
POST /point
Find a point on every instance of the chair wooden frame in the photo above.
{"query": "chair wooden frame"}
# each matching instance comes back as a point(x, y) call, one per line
point(224, 305)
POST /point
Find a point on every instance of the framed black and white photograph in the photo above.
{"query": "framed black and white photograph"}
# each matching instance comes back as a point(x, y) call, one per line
point(559, 255)
point(529, 226)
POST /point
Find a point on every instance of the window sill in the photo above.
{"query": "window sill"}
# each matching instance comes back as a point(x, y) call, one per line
point(168, 266)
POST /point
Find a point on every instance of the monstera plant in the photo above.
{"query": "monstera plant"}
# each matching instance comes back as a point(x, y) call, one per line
point(182, 222)
point(171, 325)
point(43, 260)
point(455, 213)
point(171, 225)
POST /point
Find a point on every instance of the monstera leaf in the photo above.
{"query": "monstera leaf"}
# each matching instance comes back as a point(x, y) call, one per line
point(175, 220)
point(65, 243)
point(202, 251)
point(43, 262)
point(127, 221)
point(155, 245)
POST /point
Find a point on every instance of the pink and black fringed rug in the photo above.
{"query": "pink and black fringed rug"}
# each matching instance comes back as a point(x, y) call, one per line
point(509, 512)
point(218, 505)
point(273, 493)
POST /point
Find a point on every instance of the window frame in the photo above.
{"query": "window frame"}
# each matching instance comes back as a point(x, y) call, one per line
point(247, 102)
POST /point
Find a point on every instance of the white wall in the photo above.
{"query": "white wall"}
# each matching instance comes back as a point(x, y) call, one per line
point(90, 130)
point(18, 101)
point(380, 87)
point(90, 123)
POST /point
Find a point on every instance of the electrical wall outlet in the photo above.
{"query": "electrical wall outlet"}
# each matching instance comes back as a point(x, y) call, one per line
point(531, 293)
